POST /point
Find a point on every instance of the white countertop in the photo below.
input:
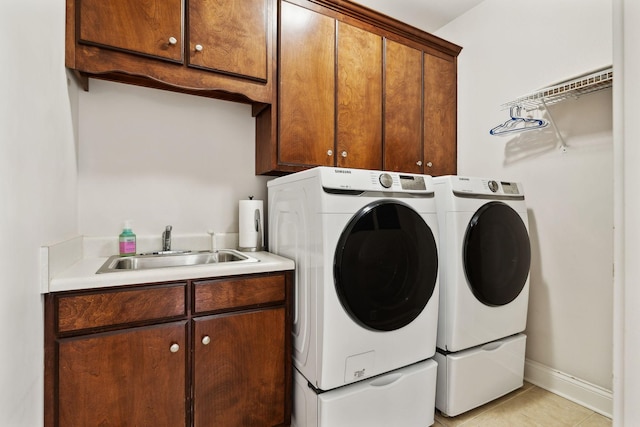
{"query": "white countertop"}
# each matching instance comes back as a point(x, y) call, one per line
point(82, 274)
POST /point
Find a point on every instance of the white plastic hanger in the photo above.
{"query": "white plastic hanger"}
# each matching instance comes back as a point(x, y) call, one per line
point(517, 123)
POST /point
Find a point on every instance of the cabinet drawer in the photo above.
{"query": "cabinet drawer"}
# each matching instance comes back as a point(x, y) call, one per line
point(95, 310)
point(230, 293)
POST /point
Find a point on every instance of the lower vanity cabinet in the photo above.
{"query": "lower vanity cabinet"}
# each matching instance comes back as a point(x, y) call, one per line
point(239, 374)
point(132, 377)
point(242, 351)
point(212, 352)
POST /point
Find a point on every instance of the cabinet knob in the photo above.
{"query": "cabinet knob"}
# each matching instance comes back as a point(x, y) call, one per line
point(173, 40)
point(419, 163)
point(174, 348)
point(206, 339)
point(199, 48)
point(343, 154)
point(429, 164)
point(329, 153)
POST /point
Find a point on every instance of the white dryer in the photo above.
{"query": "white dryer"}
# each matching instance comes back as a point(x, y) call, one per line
point(366, 287)
point(484, 263)
point(485, 257)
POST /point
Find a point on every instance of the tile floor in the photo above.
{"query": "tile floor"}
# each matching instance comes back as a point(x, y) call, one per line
point(527, 406)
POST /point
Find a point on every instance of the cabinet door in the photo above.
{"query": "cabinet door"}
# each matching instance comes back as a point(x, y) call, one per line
point(239, 369)
point(307, 87)
point(229, 36)
point(402, 108)
point(440, 115)
point(134, 377)
point(152, 27)
point(359, 98)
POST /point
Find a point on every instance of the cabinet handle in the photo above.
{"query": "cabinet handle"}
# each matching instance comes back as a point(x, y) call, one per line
point(174, 348)
point(329, 153)
point(173, 40)
point(343, 154)
point(199, 48)
point(429, 164)
point(206, 340)
point(419, 163)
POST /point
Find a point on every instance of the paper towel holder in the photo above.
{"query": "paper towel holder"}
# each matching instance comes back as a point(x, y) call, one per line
point(256, 227)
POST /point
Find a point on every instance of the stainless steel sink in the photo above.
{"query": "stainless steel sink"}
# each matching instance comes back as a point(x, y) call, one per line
point(164, 260)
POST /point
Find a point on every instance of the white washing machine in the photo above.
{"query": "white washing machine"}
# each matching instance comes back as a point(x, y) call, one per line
point(485, 257)
point(366, 287)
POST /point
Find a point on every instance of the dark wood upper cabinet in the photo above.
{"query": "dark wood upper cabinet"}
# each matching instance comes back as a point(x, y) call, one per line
point(147, 28)
point(217, 48)
point(230, 36)
point(306, 87)
point(403, 108)
point(358, 98)
point(440, 120)
point(358, 89)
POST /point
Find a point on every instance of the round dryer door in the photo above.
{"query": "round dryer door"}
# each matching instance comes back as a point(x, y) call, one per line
point(497, 254)
point(385, 266)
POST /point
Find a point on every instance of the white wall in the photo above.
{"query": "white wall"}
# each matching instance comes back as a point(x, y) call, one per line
point(37, 191)
point(627, 204)
point(161, 158)
point(511, 48)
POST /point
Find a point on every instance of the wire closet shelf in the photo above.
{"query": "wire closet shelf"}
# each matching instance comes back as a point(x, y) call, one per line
point(569, 89)
point(541, 99)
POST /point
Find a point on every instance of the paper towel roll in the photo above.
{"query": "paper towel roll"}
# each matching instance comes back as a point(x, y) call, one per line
point(251, 222)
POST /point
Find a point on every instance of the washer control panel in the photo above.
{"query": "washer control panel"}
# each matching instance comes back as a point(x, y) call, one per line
point(368, 180)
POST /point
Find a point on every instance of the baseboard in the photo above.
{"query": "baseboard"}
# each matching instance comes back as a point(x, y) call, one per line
point(582, 392)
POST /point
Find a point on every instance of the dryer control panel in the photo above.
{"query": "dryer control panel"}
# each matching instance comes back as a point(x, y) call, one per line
point(484, 187)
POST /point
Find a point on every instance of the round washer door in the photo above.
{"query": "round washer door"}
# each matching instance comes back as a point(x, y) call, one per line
point(385, 265)
point(496, 254)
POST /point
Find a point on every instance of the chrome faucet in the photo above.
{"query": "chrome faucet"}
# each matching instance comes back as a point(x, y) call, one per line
point(166, 239)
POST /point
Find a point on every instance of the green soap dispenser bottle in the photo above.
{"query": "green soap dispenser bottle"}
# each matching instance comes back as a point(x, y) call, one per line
point(127, 240)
